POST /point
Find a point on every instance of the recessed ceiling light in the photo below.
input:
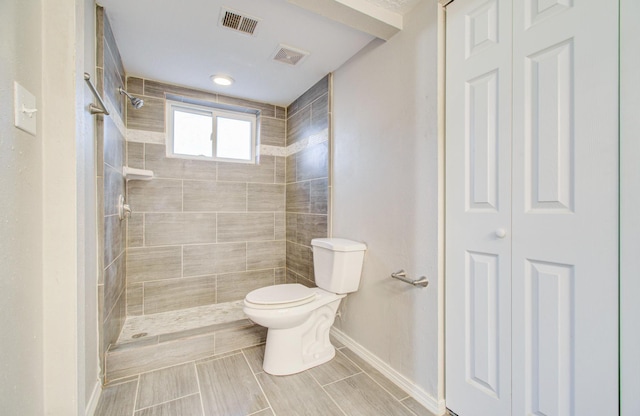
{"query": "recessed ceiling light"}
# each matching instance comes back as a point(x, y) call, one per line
point(224, 80)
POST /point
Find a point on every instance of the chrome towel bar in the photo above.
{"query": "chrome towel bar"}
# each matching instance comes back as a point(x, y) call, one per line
point(92, 107)
point(402, 275)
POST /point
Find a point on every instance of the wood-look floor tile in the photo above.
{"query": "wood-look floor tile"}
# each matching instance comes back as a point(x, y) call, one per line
point(416, 407)
point(229, 388)
point(167, 384)
point(361, 396)
point(297, 394)
point(396, 391)
point(338, 368)
point(255, 357)
point(118, 399)
point(185, 406)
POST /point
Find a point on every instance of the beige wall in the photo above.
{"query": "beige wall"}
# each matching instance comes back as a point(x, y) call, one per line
point(21, 203)
point(385, 193)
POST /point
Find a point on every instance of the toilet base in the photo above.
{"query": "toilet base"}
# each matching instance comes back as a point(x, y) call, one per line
point(292, 350)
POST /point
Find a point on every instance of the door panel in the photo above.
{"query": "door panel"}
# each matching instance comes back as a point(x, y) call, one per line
point(478, 169)
point(531, 205)
point(564, 208)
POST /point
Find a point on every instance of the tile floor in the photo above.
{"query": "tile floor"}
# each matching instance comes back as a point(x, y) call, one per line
point(234, 384)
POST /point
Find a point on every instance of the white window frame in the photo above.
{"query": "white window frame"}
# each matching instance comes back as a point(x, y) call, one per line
point(214, 113)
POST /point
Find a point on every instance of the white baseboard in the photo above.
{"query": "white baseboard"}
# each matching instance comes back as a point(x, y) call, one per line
point(93, 401)
point(433, 405)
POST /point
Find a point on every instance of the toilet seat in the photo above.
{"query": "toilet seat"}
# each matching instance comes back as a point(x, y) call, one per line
point(280, 296)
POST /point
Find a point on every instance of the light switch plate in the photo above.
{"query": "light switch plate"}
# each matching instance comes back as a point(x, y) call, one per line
point(25, 110)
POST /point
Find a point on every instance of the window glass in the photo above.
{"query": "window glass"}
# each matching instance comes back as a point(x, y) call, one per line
point(192, 134)
point(210, 133)
point(232, 138)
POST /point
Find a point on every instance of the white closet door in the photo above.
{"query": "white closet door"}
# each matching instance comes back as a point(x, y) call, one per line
point(565, 208)
point(478, 176)
point(532, 202)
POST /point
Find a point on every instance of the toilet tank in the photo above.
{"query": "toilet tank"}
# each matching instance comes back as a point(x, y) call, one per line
point(337, 264)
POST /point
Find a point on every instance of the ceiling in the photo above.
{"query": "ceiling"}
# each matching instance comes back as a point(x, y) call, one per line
point(183, 43)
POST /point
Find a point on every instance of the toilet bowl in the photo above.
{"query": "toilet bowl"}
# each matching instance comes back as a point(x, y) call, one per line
point(299, 318)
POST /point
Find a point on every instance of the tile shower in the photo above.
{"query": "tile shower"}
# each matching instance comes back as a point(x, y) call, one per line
point(202, 233)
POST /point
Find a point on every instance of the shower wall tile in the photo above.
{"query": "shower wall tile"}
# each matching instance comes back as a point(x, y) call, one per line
point(320, 114)
point(180, 228)
point(114, 237)
point(153, 263)
point(173, 294)
point(245, 227)
point(266, 255)
point(280, 275)
point(311, 163)
point(135, 155)
point(235, 286)
point(113, 188)
point(214, 258)
point(267, 110)
point(157, 195)
point(112, 325)
point(280, 225)
point(159, 90)
point(319, 197)
point(298, 125)
point(299, 259)
point(135, 230)
point(291, 169)
point(150, 117)
point(135, 296)
point(202, 218)
point(114, 282)
point(298, 196)
point(272, 131)
point(215, 196)
point(113, 144)
point(135, 86)
point(320, 88)
point(265, 197)
point(175, 168)
point(281, 170)
point(308, 227)
point(113, 80)
point(264, 172)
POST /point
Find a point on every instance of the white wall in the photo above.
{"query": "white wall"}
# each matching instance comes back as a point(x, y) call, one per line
point(385, 193)
point(21, 344)
point(48, 349)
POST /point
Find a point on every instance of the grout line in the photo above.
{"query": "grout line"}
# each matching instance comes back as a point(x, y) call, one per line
point(169, 401)
point(199, 388)
point(135, 399)
point(258, 382)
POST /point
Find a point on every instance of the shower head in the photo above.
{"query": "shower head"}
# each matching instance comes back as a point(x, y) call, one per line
point(135, 102)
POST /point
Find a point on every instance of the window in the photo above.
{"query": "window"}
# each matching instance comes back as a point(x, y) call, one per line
point(200, 132)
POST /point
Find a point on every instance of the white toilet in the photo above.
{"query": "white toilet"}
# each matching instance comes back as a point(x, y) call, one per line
point(299, 318)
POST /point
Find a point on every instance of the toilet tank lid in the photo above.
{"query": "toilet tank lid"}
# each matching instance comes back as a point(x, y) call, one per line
point(338, 244)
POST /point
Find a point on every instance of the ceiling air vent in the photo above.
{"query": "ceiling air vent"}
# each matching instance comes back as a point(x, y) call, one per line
point(238, 22)
point(288, 55)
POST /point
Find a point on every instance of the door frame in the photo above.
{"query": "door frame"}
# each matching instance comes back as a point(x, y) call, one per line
point(629, 202)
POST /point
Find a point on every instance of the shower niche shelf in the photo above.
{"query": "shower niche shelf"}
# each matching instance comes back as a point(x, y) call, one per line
point(134, 174)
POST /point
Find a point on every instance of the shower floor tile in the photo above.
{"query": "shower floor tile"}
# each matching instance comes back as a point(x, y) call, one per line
point(181, 320)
